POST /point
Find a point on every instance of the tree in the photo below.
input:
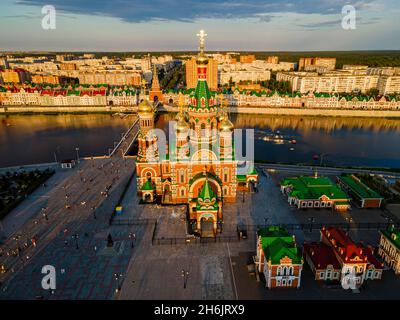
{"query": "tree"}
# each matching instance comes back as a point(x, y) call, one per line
point(374, 92)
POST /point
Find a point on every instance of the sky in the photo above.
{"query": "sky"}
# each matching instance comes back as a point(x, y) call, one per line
point(172, 25)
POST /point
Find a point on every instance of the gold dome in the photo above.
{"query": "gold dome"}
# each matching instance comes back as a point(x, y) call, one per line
point(221, 117)
point(226, 125)
point(202, 59)
point(182, 125)
point(145, 107)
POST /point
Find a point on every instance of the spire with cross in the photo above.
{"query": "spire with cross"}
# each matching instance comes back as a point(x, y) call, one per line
point(202, 37)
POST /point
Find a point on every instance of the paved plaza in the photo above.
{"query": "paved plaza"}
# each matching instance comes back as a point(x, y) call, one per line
point(74, 242)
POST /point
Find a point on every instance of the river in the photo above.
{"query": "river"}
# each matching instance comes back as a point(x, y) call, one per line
point(328, 140)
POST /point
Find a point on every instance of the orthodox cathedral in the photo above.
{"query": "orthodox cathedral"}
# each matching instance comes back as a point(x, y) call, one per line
point(198, 167)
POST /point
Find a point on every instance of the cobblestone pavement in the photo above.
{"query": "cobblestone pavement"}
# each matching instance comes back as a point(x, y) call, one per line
point(71, 239)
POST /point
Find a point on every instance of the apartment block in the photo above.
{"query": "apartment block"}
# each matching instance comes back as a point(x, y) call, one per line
point(212, 73)
point(247, 58)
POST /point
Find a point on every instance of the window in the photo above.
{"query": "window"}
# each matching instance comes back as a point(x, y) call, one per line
point(182, 192)
point(181, 176)
point(322, 275)
point(279, 271)
point(226, 175)
point(148, 175)
point(203, 130)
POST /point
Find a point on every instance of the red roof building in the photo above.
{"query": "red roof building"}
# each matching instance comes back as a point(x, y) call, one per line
point(322, 261)
point(337, 255)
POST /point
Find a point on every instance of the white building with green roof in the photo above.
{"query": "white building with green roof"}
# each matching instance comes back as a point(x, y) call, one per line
point(364, 196)
point(278, 258)
point(314, 192)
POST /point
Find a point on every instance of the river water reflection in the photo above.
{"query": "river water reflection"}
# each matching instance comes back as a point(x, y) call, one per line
point(36, 138)
point(339, 141)
point(371, 142)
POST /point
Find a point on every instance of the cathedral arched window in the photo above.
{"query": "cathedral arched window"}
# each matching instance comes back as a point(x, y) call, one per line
point(203, 130)
point(148, 175)
point(182, 176)
point(226, 172)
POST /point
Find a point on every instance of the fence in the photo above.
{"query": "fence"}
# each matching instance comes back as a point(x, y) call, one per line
point(133, 222)
point(195, 240)
point(319, 226)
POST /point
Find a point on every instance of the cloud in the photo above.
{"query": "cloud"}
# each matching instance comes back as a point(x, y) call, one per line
point(336, 22)
point(135, 11)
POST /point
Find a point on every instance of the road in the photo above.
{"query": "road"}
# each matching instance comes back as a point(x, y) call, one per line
point(323, 170)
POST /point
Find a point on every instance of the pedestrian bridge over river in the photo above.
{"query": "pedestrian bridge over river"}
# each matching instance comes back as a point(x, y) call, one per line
point(129, 137)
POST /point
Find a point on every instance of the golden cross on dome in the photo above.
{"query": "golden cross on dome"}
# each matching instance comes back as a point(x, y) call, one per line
point(144, 86)
point(202, 37)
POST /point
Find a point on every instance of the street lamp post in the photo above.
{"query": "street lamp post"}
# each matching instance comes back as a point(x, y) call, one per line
point(1, 231)
point(76, 236)
point(185, 275)
point(132, 237)
point(16, 238)
point(117, 277)
point(44, 213)
point(349, 222)
point(77, 154)
point(312, 220)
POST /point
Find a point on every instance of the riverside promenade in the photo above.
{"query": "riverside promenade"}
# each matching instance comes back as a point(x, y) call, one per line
point(325, 112)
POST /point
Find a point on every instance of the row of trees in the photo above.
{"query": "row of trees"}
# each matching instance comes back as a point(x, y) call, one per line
point(14, 187)
point(174, 79)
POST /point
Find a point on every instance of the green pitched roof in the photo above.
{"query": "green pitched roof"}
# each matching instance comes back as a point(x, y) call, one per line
point(393, 235)
point(147, 186)
point(206, 192)
point(311, 188)
point(207, 198)
point(277, 243)
point(359, 188)
point(202, 91)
